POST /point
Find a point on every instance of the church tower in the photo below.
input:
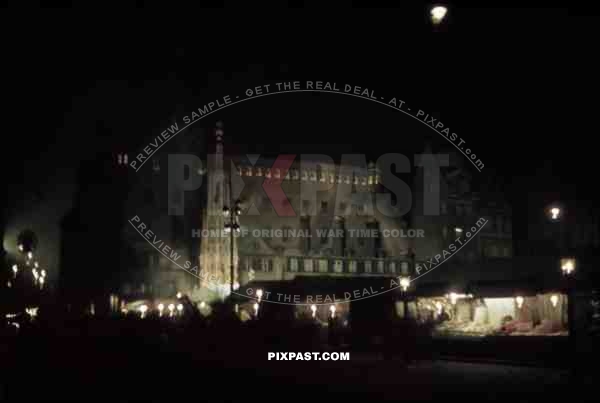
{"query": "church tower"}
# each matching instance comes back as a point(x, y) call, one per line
point(213, 256)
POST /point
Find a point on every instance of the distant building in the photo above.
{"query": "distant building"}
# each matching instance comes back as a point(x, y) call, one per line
point(283, 257)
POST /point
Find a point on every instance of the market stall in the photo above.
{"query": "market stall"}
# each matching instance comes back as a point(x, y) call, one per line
point(495, 310)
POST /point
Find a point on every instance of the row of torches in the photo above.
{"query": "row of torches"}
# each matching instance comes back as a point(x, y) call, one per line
point(161, 307)
point(313, 308)
point(171, 308)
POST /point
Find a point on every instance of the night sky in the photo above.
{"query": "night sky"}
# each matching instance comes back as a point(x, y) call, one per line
point(517, 85)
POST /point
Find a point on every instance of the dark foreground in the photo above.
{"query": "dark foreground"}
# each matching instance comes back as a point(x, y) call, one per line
point(136, 360)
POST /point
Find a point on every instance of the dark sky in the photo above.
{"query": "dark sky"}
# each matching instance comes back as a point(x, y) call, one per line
point(519, 85)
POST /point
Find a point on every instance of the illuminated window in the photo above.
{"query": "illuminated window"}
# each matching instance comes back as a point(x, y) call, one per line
point(494, 250)
point(155, 164)
point(338, 266)
point(368, 266)
point(352, 266)
point(293, 264)
point(125, 159)
point(323, 265)
point(308, 265)
point(265, 265)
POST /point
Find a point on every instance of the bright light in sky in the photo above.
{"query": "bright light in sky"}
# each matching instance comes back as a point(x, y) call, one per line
point(438, 13)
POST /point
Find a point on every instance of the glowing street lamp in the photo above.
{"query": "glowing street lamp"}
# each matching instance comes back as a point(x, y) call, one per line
point(520, 301)
point(21, 248)
point(179, 308)
point(567, 265)
point(404, 283)
point(332, 310)
point(259, 294)
point(171, 309)
point(178, 295)
point(43, 273)
point(313, 308)
point(555, 213)
point(143, 310)
point(202, 305)
point(41, 281)
point(161, 307)
point(30, 255)
point(554, 300)
point(36, 264)
point(438, 13)
point(15, 269)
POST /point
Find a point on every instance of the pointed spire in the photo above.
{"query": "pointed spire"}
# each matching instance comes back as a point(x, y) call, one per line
point(219, 136)
point(219, 131)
